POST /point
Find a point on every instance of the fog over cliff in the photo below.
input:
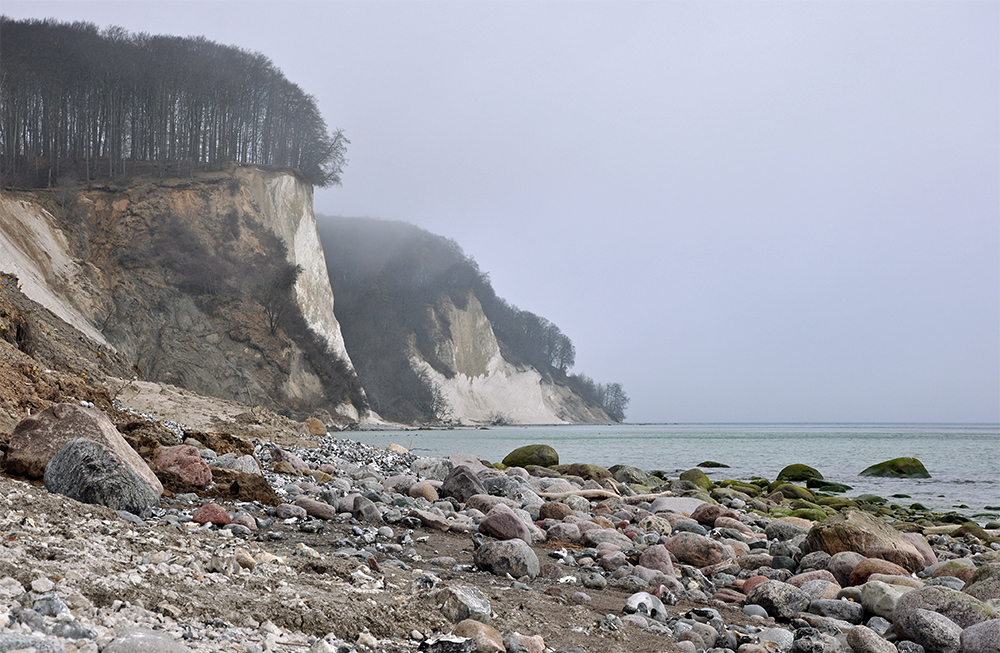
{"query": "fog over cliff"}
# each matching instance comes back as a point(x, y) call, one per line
point(744, 212)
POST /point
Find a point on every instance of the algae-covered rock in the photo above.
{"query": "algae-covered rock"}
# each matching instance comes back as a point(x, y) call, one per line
point(697, 477)
point(585, 471)
point(790, 491)
point(748, 489)
point(827, 486)
point(798, 472)
point(812, 514)
point(897, 468)
point(632, 476)
point(709, 464)
point(873, 499)
point(532, 454)
point(837, 503)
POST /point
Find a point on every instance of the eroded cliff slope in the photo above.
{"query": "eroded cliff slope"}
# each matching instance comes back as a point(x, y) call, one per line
point(216, 283)
point(431, 340)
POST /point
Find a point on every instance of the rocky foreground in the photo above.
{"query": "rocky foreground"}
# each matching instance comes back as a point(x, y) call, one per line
point(178, 540)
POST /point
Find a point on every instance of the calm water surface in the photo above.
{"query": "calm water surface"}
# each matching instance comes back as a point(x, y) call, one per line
point(962, 459)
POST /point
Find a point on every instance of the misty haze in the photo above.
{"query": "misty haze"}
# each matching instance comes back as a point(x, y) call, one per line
point(523, 326)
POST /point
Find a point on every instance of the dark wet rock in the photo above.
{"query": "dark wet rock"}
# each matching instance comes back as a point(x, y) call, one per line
point(905, 467)
point(92, 472)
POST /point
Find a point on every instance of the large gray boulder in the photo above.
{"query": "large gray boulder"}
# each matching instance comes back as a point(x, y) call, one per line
point(461, 484)
point(935, 632)
point(36, 440)
point(512, 557)
point(781, 600)
point(91, 472)
point(982, 638)
point(963, 609)
point(503, 523)
point(985, 582)
point(143, 640)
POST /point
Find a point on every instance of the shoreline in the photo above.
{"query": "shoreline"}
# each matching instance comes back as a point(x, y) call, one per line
point(368, 547)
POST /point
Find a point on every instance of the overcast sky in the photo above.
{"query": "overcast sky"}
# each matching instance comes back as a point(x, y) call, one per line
point(741, 211)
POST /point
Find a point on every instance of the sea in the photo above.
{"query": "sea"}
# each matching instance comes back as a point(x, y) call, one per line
point(962, 459)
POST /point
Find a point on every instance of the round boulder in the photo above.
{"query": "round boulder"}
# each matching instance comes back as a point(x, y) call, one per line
point(541, 455)
point(512, 557)
point(798, 472)
point(91, 472)
point(905, 467)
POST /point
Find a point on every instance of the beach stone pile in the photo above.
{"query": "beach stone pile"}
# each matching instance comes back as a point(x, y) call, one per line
point(737, 566)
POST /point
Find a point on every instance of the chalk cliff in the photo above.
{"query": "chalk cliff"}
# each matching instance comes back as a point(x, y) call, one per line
point(477, 385)
point(432, 341)
point(186, 278)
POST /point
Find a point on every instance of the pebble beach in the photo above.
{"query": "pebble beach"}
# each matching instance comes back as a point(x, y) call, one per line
point(342, 546)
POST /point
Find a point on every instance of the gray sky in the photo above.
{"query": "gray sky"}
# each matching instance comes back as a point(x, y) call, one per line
point(779, 211)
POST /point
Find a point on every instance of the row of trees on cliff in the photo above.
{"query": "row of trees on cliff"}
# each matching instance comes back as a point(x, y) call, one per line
point(74, 96)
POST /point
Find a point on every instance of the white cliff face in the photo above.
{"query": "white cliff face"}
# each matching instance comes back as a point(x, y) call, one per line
point(286, 207)
point(35, 250)
point(484, 387)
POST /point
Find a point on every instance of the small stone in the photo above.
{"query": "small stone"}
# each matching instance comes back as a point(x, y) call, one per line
point(488, 639)
point(367, 640)
point(289, 511)
point(211, 513)
point(865, 640)
point(244, 559)
point(464, 602)
point(42, 586)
